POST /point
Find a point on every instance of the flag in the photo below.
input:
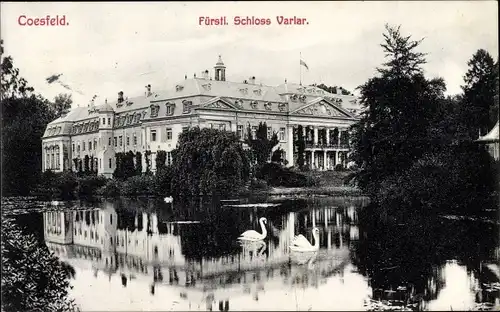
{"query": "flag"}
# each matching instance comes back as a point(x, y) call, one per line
point(304, 64)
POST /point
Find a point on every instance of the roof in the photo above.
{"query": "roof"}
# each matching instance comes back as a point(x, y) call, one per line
point(492, 136)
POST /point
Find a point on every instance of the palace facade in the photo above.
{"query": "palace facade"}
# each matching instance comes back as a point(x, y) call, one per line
point(153, 122)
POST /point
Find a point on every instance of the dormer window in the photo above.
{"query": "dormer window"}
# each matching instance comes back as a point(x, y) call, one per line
point(170, 108)
point(253, 104)
point(86, 127)
point(268, 106)
point(294, 97)
point(155, 108)
point(303, 98)
point(257, 92)
point(282, 107)
point(244, 90)
point(207, 86)
point(137, 118)
point(130, 119)
point(179, 88)
point(186, 106)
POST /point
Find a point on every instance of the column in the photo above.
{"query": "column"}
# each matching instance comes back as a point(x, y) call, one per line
point(315, 135)
point(43, 158)
point(327, 136)
point(338, 139)
point(233, 127)
point(312, 159)
point(289, 152)
point(324, 161)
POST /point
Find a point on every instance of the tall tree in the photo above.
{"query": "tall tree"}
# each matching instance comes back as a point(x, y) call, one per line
point(24, 117)
point(480, 93)
point(400, 104)
point(262, 145)
point(301, 147)
point(62, 103)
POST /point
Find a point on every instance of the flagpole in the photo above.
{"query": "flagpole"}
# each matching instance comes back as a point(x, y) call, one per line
point(300, 67)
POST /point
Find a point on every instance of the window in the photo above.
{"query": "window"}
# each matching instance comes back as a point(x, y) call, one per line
point(254, 132)
point(222, 127)
point(109, 141)
point(83, 146)
point(153, 135)
point(269, 132)
point(116, 141)
point(170, 109)
point(109, 121)
point(111, 219)
point(90, 145)
point(104, 121)
point(78, 148)
point(240, 131)
point(109, 163)
point(95, 143)
point(128, 140)
point(135, 139)
point(121, 140)
point(73, 148)
point(282, 134)
point(169, 134)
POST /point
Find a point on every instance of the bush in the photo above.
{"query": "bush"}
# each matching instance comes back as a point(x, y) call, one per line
point(110, 189)
point(257, 184)
point(339, 167)
point(277, 175)
point(139, 185)
point(33, 279)
point(89, 184)
point(163, 181)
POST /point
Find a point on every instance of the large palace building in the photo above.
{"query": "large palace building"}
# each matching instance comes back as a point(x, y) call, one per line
point(153, 121)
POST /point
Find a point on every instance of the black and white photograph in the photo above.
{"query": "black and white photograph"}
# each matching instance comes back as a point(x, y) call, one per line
point(250, 156)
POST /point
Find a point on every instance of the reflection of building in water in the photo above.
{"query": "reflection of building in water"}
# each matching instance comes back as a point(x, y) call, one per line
point(141, 252)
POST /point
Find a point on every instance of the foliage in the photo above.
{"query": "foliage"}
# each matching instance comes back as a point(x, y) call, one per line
point(277, 156)
point(125, 167)
point(147, 155)
point(62, 104)
point(110, 189)
point(400, 104)
point(33, 279)
point(277, 175)
point(481, 92)
point(138, 163)
point(301, 147)
point(86, 163)
point(261, 146)
point(163, 181)
point(139, 185)
point(89, 184)
point(161, 158)
point(208, 161)
point(258, 184)
point(413, 148)
point(12, 85)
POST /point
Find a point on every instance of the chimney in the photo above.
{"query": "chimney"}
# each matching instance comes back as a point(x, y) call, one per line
point(194, 75)
point(185, 77)
point(120, 96)
point(205, 74)
point(251, 80)
point(148, 90)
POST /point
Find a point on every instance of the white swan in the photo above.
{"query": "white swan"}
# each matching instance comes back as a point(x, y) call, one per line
point(301, 244)
point(252, 235)
point(168, 199)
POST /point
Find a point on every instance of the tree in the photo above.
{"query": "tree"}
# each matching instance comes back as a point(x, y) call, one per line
point(261, 146)
point(161, 158)
point(24, 117)
point(208, 161)
point(147, 155)
point(138, 163)
point(301, 147)
point(86, 162)
point(400, 104)
point(62, 103)
point(481, 93)
point(33, 279)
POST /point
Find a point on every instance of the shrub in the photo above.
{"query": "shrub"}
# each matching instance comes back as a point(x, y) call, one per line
point(33, 279)
point(277, 175)
point(139, 185)
point(89, 184)
point(257, 184)
point(110, 189)
point(339, 167)
point(163, 181)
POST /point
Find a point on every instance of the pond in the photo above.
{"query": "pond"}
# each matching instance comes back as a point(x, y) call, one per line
point(146, 254)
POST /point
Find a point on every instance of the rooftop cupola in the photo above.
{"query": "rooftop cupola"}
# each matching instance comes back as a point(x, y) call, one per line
point(220, 70)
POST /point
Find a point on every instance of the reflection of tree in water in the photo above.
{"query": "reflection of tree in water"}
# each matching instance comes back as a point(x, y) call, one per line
point(411, 255)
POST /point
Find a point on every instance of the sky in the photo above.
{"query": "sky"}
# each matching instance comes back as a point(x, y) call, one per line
point(112, 47)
